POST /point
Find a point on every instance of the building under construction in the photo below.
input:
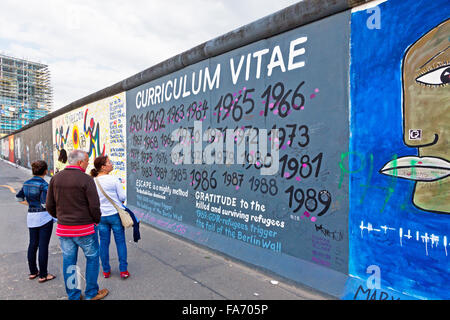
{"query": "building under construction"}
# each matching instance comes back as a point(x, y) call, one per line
point(25, 93)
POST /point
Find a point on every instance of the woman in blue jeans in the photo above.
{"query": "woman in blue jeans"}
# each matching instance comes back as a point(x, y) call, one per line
point(39, 221)
point(110, 217)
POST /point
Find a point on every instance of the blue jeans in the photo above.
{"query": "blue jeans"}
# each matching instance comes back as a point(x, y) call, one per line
point(108, 223)
point(39, 239)
point(89, 245)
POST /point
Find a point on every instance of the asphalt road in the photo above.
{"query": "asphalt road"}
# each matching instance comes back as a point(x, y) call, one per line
point(162, 266)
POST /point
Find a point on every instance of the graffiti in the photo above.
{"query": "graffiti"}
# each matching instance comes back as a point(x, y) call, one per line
point(334, 235)
point(360, 161)
point(31, 145)
point(11, 148)
point(426, 120)
point(92, 133)
point(61, 138)
point(428, 239)
point(372, 294)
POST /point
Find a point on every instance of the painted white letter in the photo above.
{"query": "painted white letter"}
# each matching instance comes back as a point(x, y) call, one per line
point(276, 54)
point(294, 53)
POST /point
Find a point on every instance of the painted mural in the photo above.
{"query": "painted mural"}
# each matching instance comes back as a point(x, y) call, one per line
point(399, 157)
point(97, 128)
point(5, 148)
point(11, 148)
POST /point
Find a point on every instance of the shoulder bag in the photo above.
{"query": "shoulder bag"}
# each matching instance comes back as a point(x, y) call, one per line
point(125, 217)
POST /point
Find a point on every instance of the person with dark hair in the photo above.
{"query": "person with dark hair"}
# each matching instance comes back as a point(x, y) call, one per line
point(110, 220)
point(62, 161)
point(39, 222)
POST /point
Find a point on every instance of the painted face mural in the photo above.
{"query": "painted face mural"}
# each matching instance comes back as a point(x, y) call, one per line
point(426, 120)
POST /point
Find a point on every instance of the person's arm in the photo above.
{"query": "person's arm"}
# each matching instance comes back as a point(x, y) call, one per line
point(43, 198)
point(50, 203)
point(121, 195)
point(20, 197)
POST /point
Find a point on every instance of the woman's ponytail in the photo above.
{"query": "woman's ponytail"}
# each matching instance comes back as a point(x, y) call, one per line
point(94, 172)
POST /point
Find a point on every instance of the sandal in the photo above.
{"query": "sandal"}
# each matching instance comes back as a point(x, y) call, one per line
point(47, 278)
point(33, 276)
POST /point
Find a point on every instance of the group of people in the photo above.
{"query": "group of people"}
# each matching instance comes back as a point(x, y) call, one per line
point(81, 205)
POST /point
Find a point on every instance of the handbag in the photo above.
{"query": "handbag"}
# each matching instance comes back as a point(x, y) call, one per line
point(125, 217)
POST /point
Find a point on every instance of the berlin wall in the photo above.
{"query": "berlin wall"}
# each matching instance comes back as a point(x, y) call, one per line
point(316, 150)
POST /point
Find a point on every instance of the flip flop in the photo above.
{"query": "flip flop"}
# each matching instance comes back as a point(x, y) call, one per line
point(48, 278)
point(33, 276)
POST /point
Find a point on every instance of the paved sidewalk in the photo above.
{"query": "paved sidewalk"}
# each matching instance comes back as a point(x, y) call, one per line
point(162, 266)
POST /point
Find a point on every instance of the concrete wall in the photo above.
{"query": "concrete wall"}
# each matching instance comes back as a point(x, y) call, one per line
point(356, 205)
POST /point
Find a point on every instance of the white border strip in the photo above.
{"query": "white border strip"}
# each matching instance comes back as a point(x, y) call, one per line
point(367, 5)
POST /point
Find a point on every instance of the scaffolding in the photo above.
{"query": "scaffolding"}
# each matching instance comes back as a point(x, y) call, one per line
point(25, 93)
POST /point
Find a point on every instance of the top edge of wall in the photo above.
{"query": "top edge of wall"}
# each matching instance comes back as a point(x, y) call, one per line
point(291, 17)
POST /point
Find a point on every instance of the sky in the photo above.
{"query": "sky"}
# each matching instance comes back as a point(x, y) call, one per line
point(90, 45)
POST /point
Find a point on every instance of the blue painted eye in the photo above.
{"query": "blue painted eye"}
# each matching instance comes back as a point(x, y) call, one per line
point(436, 77)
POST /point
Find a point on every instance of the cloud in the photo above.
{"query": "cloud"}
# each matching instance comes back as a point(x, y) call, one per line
point(91, 45)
